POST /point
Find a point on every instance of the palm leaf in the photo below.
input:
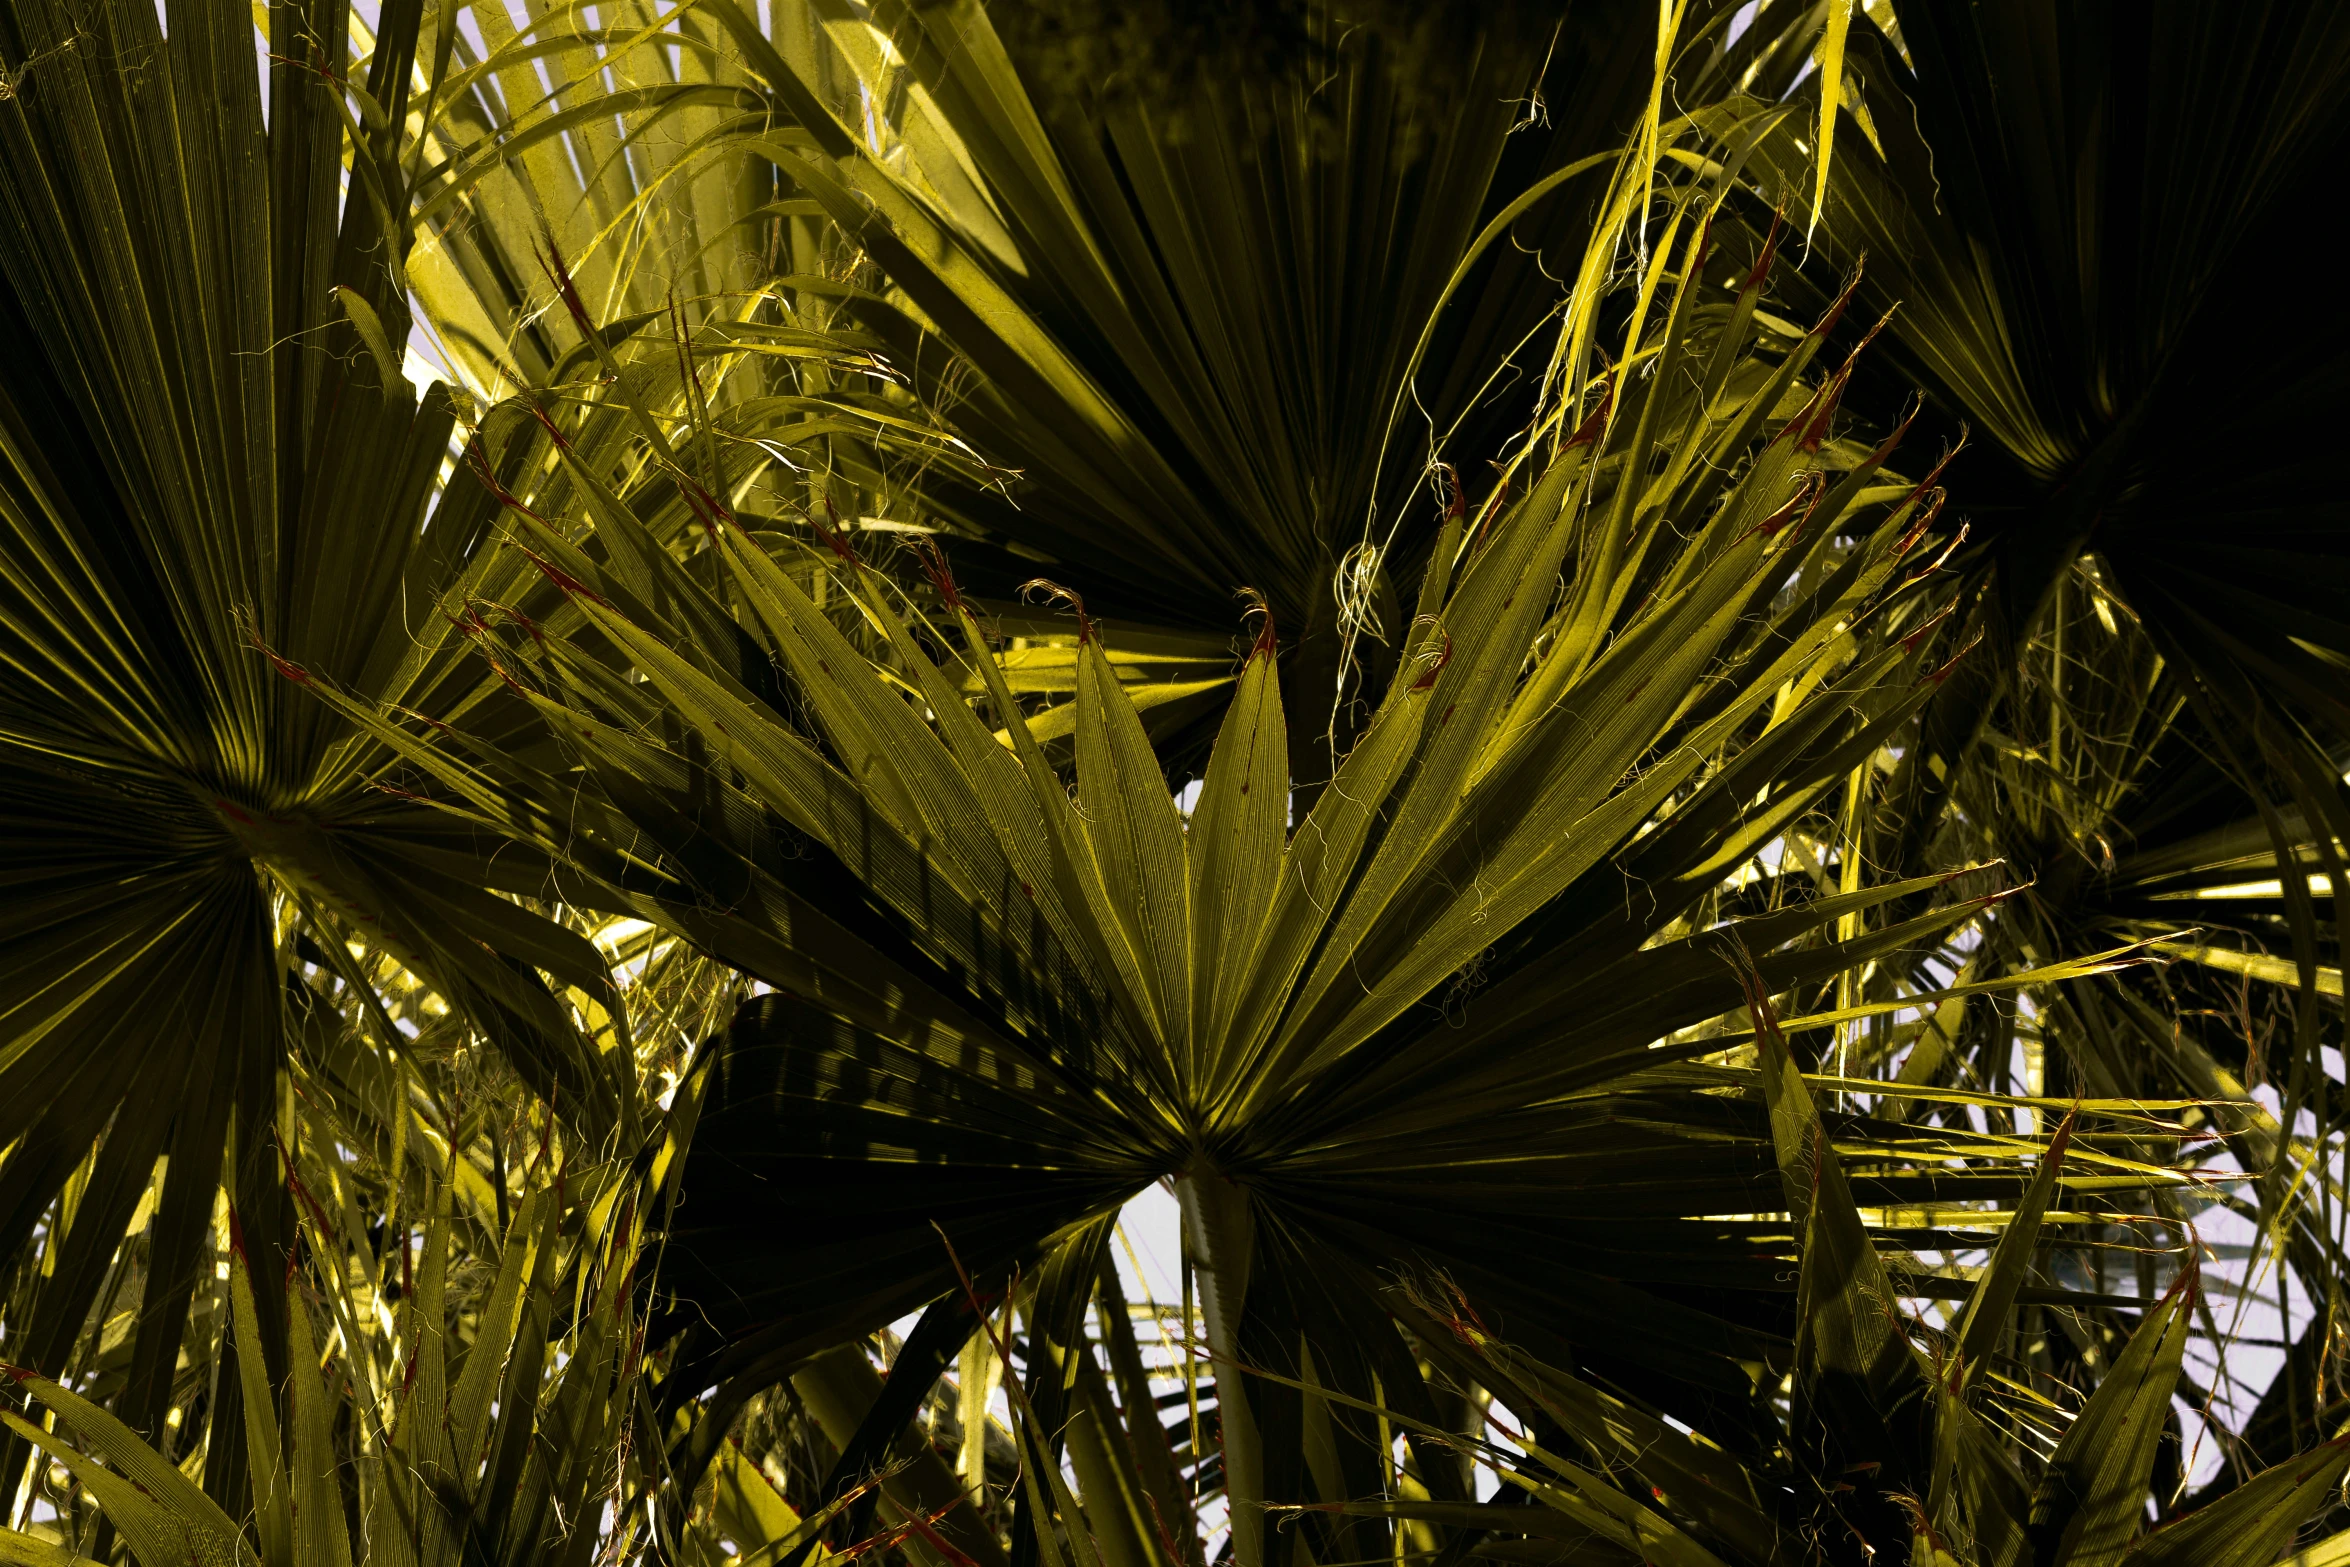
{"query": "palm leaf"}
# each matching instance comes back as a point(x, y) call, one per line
point(2065, 203)
point(1210, 353)
point(213, 493)
point(995, 1029)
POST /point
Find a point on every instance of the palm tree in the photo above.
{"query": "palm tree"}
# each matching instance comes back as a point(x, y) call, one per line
point(2071, 207)
point(999, 1010)
point(461, 1327)
point(1488, 1029)
point(1921, 1439)
point(1220, 340)
point(218, 489)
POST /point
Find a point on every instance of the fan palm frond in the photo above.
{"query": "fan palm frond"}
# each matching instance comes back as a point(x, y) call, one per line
point(1001, 1008)
point(210, 450)
point(2071, 206)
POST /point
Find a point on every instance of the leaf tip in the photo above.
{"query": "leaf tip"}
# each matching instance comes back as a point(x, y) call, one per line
point(1048, 591)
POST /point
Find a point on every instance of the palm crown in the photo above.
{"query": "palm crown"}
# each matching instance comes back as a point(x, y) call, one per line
point(1581, 923)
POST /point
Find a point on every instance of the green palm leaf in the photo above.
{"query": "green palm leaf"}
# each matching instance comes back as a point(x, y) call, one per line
point(215, 492)
point(1001, 1008)
point(1226, 352)
point(2068, 206)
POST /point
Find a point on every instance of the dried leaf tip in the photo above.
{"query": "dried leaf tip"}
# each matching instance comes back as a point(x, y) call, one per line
point(1892, 443)
point(1808, 492)
point(708, 509)
point(1761, 271)
point(1595, 424)
point(942, 577)
point(1446, 1304)
point(471, 623)
point(1267, 641)
point(1051, 592)
point(1443, 656)
point(284, 665)
point(2189, 1281)
point(1816, 432)
point(835, 537)
point(554, 432)
point(1760, 1010)
point(1909, 644)
point(561, 578)
point(1942, 463)
point(2062, 1141)
point(560, 276)
point(1923, 522)
point(1998, 895)
point(1827, 323)
point(1942, 674)
point(478, 460)
point(1462, 1320)
point(1495, 500)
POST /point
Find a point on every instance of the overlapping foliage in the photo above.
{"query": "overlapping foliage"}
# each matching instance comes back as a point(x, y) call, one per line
point(210, 449)
point(333, 716)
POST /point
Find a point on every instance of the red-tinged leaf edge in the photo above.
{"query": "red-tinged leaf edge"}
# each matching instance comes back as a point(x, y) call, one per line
point(1051, 592)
